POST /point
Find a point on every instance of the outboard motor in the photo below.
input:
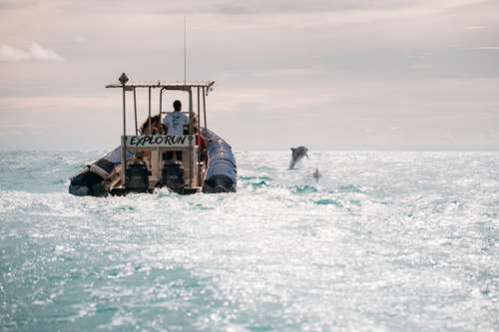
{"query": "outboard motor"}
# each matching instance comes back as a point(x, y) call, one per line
point(173, 176)
point(137, 178)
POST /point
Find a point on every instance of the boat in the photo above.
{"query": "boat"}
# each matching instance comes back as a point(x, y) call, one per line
point(197, 160)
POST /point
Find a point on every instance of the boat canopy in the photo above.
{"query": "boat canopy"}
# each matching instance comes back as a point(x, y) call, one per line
point(167, 85)
point(199, 88)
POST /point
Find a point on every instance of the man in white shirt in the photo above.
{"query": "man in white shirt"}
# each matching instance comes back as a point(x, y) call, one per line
point(176, 121)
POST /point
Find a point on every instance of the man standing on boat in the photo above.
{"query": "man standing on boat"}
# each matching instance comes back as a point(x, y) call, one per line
point(176, 121)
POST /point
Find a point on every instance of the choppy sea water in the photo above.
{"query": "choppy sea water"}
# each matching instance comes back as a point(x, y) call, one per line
point(383, 241)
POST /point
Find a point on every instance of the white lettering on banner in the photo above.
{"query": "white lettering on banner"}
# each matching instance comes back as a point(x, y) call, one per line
point(158, 141)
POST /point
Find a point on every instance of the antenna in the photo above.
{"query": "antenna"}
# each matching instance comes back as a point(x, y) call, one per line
point(185, 50)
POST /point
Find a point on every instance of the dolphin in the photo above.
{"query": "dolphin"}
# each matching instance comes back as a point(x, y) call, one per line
point(297, 154)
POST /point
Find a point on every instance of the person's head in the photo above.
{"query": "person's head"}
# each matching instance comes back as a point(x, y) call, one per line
point(177, 106)
point(155, 126)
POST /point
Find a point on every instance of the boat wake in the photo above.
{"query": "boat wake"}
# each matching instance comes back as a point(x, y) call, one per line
point(383, 240)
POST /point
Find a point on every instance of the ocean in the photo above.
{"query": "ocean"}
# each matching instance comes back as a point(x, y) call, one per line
point(383, 241)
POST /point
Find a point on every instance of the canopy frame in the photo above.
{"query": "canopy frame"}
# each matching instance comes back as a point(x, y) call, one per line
point(200, 87)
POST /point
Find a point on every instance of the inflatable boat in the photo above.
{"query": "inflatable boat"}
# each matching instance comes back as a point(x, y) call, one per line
point(187, 160)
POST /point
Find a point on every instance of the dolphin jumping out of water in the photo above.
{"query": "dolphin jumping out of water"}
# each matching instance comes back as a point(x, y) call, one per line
point(297, 154)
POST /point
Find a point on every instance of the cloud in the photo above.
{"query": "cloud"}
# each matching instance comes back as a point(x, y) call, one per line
point(12, 54)
point(298, 6)
point(233, 7)
point(11, 4)
point(476, 27)
point(79, 39)
point(39, 53)
point(487, 48)
point(261, 7)
point(35, 53)
point(422, 66)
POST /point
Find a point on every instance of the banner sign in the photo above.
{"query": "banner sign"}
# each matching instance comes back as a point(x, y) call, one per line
point(158, 141)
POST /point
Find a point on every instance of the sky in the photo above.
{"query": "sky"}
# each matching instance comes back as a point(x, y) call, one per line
point(344, 74)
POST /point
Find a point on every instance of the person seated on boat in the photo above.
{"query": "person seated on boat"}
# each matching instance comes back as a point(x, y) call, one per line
point(155, 128)
point(176, 121)
point(200, 140)
point(195, 124)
